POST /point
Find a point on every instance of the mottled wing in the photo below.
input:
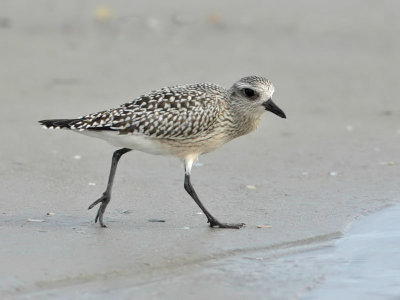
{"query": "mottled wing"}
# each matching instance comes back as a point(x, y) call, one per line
point(174, 113)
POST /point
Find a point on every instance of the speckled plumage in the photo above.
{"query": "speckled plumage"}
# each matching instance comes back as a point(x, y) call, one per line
point(183, 121)
point(175, 113)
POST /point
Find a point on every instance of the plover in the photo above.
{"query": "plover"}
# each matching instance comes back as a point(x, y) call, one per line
point(182, 121)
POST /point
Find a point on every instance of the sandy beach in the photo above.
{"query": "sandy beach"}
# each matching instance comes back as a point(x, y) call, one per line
point(335, 67)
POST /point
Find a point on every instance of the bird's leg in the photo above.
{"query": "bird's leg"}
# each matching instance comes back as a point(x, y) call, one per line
point(211, 219)
point(106, 197)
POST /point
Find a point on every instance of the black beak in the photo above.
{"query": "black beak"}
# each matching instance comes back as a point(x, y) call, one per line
point(272, 107)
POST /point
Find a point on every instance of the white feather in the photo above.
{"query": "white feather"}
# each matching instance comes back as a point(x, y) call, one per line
point(134, 141)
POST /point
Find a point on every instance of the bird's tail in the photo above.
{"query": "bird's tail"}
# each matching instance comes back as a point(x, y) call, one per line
point(58, 123)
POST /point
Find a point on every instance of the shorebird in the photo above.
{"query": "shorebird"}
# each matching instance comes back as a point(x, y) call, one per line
point(183, 121)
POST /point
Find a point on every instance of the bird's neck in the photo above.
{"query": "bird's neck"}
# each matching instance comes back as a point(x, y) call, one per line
point(243, 122)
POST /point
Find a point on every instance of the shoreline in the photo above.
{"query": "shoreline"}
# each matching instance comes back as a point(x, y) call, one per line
point(253, 272)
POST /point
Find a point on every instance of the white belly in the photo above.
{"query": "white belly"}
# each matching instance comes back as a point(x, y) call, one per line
point(131, 141)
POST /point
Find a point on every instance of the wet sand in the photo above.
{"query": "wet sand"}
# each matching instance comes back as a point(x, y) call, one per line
point(336, 157)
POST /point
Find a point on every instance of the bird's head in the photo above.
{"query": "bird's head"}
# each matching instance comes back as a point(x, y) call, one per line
point(253, 94)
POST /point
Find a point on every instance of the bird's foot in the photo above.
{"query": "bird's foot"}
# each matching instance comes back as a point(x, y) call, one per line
point(104, 200)
point(215, 223)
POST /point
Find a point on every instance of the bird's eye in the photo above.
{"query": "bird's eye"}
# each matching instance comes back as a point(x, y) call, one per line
point(249, 93)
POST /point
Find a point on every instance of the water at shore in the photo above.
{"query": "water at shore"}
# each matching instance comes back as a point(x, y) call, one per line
point(366, 262)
